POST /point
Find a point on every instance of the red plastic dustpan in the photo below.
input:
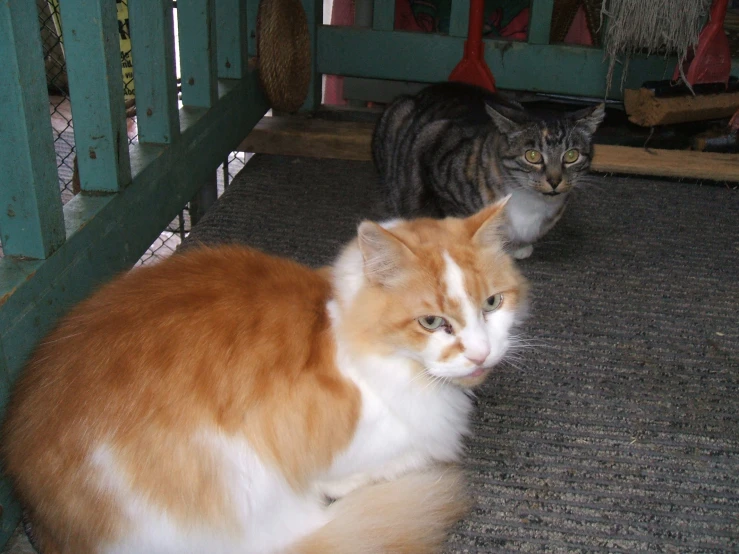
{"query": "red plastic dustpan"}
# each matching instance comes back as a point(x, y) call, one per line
point(711, 62)
point(473, 69)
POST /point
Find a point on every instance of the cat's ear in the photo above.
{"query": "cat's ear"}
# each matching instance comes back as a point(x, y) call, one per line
point(504, 124)
point(383, 253)
point(486, 225)
point(590, 118)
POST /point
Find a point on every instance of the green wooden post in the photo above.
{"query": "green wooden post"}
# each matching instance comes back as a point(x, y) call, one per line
point(198, 64)
point(252, 11)
point(92, 50)
point(152, 46)
point(233, 58)
point(314, 14)
point(383, 18)
point(31, 220)
point(459, 20)
point(541, 21)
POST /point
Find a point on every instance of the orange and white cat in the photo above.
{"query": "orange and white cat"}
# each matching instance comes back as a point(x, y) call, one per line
point(227, 401)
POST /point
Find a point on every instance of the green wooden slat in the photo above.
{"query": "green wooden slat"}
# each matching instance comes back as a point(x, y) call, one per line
point(540, 22)
point(152, 46)
point(106, 234)
point(405, 56)
point(314, 14)
point(11, 512)
point(233, 59)
point(93, 57)
point(383, 18)
point(459, 19)
point(252, 11)
point(198, 64)
point(31, 221)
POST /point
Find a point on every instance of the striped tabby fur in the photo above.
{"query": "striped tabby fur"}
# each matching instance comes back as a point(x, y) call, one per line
point(453, 148)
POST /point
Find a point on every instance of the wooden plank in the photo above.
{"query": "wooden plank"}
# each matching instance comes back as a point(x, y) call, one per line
point(404, 56)
point(196, 22)
point(152, 44)
point(540, 23)
point(233, 58)
point(647, 110)
point(459, 18)
point(383, 18)
point(93, 59)
point(666, 163)
point(297, 136)
point(314, 14)
point(31, 220)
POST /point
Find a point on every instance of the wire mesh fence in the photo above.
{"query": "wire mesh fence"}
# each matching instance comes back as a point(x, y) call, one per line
point(62, 123)
point(168, 241)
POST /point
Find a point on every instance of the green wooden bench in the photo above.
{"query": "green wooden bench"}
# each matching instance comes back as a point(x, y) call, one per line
point(55, 255)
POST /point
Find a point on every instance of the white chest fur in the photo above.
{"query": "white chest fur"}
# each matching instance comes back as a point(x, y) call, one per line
point(407, 422)
point(531, 214)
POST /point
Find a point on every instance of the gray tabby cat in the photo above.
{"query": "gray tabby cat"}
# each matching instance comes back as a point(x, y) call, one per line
point(453, 148)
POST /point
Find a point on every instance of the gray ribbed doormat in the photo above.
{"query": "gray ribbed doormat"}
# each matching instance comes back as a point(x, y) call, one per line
point(620, 432)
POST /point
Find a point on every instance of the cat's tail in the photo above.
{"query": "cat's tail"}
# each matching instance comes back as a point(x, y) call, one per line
point(410, 515)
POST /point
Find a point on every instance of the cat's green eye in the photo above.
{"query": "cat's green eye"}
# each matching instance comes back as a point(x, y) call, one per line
point(533, 156)
point(571, 156)
point(432, 322)
point(492, 303)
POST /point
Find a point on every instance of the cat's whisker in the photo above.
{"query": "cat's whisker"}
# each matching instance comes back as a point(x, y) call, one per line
point(429, 385)
point(529, 345)
point(514, 365)
point(533, 346)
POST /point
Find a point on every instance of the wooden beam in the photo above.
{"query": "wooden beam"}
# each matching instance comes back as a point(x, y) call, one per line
point(31, 220)
point(647, 110)
point(384, 15)
point(666, 163)
point(152, 46)
point(320, 138)
point(196, 21)
point(541, 21)
point(517, 65)
point(316, 138)
point(92, 50)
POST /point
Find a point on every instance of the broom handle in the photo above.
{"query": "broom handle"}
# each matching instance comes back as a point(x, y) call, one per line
point(474, 32)
point(718, 12)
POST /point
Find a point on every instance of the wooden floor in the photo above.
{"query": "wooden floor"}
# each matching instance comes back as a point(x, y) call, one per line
point(350, 140)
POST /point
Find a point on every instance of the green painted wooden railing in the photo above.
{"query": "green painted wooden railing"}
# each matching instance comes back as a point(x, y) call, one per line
point(55, 255)
point(379, 52)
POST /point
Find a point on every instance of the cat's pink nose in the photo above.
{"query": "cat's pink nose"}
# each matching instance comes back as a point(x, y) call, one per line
point(478, 356)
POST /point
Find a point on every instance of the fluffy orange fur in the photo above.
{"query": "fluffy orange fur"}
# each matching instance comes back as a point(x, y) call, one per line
point(236, 340)
point(150, 358)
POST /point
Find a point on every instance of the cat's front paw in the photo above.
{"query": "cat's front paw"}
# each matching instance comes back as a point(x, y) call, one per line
point(523, 252)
